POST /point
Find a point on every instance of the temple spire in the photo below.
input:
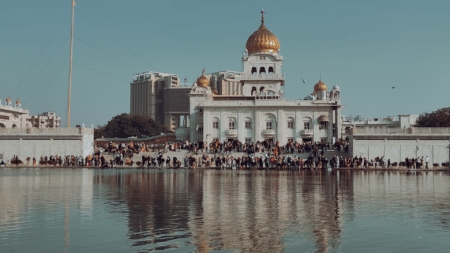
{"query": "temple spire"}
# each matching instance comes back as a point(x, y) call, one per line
point(262, 16)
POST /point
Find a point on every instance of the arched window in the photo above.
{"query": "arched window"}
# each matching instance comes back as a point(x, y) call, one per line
point(291, 123)
point(262, 70)
point(215, 123)
point(253, 90)
point(2, 125)
point(323, 122)
point(254, 70)
point(307, 123)
point(270, 121)
point(248, 123)
point(270, 69)
point(232, 123)
point(14, 125)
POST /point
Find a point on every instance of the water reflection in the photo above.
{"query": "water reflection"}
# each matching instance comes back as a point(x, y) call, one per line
point(203, 211)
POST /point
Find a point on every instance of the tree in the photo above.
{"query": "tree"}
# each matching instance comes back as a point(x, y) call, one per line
point(439, 118)
point(125, 125)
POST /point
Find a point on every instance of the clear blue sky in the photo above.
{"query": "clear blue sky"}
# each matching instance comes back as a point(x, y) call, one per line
point(365, 47)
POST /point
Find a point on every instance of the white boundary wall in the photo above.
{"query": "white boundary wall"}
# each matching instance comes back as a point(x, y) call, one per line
point(37, 142)
point(399, 144)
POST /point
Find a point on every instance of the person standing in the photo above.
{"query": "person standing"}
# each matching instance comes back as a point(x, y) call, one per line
point(426, 162)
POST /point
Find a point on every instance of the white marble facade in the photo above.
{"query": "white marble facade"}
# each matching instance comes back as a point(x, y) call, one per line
point(258, 109)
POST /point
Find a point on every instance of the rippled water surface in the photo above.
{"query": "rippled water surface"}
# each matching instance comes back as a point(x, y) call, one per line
point(85, 210)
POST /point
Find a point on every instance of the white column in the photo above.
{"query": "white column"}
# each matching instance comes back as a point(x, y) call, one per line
point(257, 126)
point(206, 125)
point(240, 126)
point(223, 125)
point(281, 130)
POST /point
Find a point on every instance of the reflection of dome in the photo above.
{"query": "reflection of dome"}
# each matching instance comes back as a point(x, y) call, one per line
point(320, 86)
point(337, 88)
point(262, 40)
point(203, 81)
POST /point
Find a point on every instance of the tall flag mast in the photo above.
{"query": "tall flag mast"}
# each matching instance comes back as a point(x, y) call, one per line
point(70, 66)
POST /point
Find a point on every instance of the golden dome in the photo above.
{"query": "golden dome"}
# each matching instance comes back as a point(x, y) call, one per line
point(18, 101)
point(320, 86)
point(203, 81)
point(262, 40)
point(8, 99)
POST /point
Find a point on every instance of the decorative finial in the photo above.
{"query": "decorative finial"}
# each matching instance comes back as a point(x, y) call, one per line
point(203, 71)
point(262, 16)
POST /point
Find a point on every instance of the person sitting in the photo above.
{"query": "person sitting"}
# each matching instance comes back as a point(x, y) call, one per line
point(128, 161)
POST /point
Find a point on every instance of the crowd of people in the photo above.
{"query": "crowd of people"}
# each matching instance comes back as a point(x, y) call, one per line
point(261, 154)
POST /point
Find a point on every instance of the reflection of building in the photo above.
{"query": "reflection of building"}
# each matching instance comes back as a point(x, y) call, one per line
point(253, 212)
point(250, 106)
point(159, 96)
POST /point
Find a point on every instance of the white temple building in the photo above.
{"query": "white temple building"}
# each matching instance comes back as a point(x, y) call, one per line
point(250, 106)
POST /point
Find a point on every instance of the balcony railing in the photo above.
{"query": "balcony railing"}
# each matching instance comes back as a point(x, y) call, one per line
point(306, 132)
point(262, 76)
point(231, 132)
point(400, 130)
point(46, 130)
point(268, 132)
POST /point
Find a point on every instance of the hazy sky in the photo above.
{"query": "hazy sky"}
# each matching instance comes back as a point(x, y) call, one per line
point(365, 47)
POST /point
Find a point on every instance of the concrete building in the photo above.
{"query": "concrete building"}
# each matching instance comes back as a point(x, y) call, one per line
point(15, 116)
point(249, 106)
point(154, 94)
point(403, 120)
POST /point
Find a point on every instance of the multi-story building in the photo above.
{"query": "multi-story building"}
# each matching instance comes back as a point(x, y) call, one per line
point(160, 96)
point(15, 116)
point(46, 119)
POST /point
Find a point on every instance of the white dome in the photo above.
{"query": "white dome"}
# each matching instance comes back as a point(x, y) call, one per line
point(336, 88)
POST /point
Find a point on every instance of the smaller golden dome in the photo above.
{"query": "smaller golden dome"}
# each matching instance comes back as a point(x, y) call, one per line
point(320, 86)
point(18, 101)
point(8, 99)
point(203, 81)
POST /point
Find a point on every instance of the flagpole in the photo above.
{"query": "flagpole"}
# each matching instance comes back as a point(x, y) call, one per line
point(70, 66)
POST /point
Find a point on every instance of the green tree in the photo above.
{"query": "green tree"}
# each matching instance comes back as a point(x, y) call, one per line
point(125, 125)
point(438, 118)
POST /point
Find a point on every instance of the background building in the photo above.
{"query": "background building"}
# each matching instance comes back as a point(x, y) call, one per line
point(160, 96)
point(15, 116)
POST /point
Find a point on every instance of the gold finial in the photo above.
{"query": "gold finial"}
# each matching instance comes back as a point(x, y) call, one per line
point(203, 71)
point(262, 16)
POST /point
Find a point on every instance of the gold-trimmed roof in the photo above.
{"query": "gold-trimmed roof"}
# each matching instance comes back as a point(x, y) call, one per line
point(320, 86)
point(203, 81)
point(262, 40)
